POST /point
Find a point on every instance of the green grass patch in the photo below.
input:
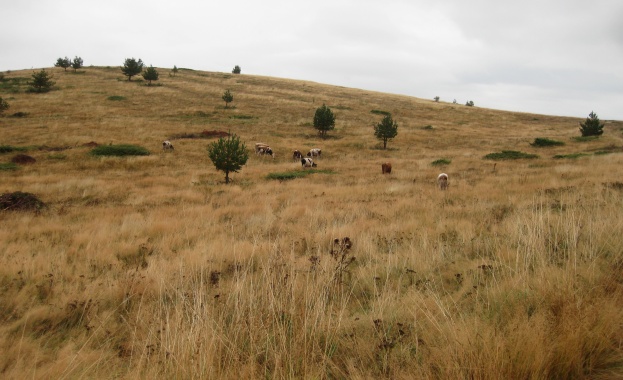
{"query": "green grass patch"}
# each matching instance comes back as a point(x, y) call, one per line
point(441, 162)
point(509, 155)
point(379, 112)
point(119, 150)
point(544, 142)
point(428, 128)
point(242, 117)
point(9, 149)
point(116, 98)
point(285, 176)
point(7, 166)
point(572, 156)
point(585, 138)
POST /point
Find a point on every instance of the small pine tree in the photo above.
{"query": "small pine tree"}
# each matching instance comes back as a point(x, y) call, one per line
point(76, 63)
point(592, 126)
point(175, 70)
point(236, 70)
point(41, 81)
point(228, 155)
point(150, 74)
point(227, 97)
point(324, 120)
point(132, 67)
point(386, 130)
point(3, 105)
point(470, 103)
point(63, 62)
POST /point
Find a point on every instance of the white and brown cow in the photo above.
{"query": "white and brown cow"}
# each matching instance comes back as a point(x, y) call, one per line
point(315, 152)
point(166, 145)
point(386, 168)
point(297, 155)
point(307, 162)
point(262, 149)
point(442, 181)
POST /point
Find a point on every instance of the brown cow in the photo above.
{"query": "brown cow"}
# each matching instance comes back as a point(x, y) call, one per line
point(386, 168)
point(442, 181)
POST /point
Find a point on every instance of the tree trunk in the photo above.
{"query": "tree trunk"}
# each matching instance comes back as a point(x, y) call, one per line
point(226, 177)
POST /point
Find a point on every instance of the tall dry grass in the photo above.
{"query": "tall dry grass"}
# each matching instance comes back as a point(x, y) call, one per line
point(151, 267)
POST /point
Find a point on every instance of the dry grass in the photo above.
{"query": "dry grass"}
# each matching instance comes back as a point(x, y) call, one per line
point(151, 267)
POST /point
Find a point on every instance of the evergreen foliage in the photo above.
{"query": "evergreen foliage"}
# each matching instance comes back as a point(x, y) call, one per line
point(41, 81)
point(175, 70)
point(236, 70)
point(227, 97)
point(592, 126)
point(228, 154)
point(386, 130)
point(120, 150)
point(63, 62)
point(324, 120)
point(77, 63)
point(150, 74)
point(132, 67)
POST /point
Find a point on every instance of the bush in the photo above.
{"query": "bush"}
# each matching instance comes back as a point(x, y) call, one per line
point(119, 150)
point(379, 112)
point(543, 142)
point(19, 201)
point(116, 97)
point(284, 176)
point(571, 155)
point(509, 155)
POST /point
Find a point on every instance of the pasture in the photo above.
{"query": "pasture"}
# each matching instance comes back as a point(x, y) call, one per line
point(151, 267)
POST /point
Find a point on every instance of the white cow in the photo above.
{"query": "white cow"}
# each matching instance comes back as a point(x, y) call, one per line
point(315, 152)
point(166, 145)
point(307, 162)
point(442, 181)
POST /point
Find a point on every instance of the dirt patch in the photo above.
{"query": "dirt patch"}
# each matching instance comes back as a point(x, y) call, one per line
point(23, 159)
point(91, 144)
point(211, 134)
point(19, 201)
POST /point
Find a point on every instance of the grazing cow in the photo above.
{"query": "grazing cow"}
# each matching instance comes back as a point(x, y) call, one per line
point(307, 162)
point(442, 181)
point(386, 168)
point(314, 152)
point(262, 149)
point(166, 145)
point(297, 155)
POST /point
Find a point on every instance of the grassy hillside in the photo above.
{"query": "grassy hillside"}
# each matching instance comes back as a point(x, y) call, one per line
point(151, 267)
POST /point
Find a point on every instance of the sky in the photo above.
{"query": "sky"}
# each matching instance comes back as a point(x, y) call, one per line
point(553, 57)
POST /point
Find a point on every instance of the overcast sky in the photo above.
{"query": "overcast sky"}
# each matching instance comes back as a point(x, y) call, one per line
point(555, 57)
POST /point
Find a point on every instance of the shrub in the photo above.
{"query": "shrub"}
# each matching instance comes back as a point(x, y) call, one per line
point(116, 97)
point(542, 142)
point(119, 150)
point(4, 105)
point(284, 176)
point(509, 155)
point(19, 201)
point(41, 82)
point(236, 70)
point(379, 112)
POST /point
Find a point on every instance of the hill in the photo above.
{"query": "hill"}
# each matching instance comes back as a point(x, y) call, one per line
point(151, 267)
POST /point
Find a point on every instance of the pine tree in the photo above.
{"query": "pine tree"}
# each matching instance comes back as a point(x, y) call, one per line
point(236, 70)
point(592, 126)
point(76, 63)
point(228, 155)
point(63, 62)
point(150, 74)
point(227, 97)
point(386, 130)
point(324, 120)
point(41, 81)
point(132, 67)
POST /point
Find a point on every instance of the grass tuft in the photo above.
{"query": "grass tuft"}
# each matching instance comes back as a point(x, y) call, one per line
point(441, 162)
point(509, 155)
point(119, 150)
point(544, 142)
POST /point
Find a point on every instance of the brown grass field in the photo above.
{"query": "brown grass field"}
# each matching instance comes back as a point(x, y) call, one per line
point(151, 267)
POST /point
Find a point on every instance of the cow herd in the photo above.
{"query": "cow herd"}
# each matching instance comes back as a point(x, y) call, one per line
point(262, 149)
